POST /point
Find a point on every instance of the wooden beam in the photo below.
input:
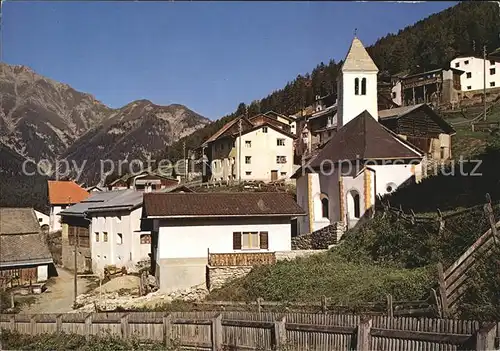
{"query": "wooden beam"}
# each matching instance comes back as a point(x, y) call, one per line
point(456, 339)
point(442, 290)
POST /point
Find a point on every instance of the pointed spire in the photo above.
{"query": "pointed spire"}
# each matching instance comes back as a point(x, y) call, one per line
point(358, 59)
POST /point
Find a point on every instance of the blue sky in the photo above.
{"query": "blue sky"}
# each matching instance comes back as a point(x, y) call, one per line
point(209, 56)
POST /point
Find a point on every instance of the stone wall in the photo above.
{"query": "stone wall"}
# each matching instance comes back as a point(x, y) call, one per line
point(319, 239)
point(218, 276)
point(292, 255)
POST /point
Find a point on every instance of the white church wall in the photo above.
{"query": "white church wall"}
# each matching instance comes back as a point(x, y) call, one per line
point(393, 175)
point(302, 200)
point(352, 104)
point(354, 184)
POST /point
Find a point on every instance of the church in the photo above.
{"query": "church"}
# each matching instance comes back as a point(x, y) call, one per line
point(361, 160)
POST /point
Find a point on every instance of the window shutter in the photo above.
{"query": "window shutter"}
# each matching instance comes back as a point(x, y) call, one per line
point(264, 240)
point(236, 241)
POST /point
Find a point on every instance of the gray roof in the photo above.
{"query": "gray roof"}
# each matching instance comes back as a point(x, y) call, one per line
point(358, 59)
point(14, 220)
point(21, 242)
point(128, 200)
point(397, 111)
point(94, 200)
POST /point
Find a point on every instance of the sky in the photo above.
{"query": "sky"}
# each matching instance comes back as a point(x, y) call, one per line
point(209, 56)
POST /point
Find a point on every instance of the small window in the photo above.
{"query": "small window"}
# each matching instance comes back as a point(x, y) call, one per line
point(469, 74)
point(145, 239)
point(280, 159)
point(469, 87)
point(442, 152)
point(105, 237)
point(324, 208)
point(264, 129)
point(40, 219)
point(283, 174)
point(363, 86)
point(119, 238)
point(248, 143)
point(393, 94)
point(356, 86)
point(96, 234)
point(457, 64)
point(248, 173)
point(492, 71)
point(248, 159)
point(466, 62)
point(280, 142)
point(250, 240)
point(492, 62)
point(492, 84)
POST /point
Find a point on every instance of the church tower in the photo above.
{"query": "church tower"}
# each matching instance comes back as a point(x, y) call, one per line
point(357, 85)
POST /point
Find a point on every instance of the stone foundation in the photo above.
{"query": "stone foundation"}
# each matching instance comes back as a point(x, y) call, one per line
point(320, 239)
point(218, 276)
point(292, 255)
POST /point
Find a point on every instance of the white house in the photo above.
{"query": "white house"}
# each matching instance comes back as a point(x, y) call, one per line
point(473, 78)
point(61, 195)
point(43, 219)
point(263, 152)
point(361, 160)
point(185, 227)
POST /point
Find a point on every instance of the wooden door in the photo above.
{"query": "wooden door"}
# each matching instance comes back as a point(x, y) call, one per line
point(274, 175)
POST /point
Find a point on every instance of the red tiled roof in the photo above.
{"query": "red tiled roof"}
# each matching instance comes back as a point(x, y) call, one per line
point(220, 204)
point(65, 192)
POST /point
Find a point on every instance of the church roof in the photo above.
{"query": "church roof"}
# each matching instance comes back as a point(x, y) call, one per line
point(358, 59)
point(364, 138)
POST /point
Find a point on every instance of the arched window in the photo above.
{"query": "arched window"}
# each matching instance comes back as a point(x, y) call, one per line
point(356, 86)
point(353, 204)
point(324, 207)
point(363, 86)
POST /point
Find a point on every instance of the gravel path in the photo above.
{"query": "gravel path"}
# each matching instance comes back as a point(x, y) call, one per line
point(58, 298)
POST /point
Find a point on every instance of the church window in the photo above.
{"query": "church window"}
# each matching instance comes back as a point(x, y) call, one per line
point(363, 86)
point(356, 86)
point(357, 209)
point(324, 206)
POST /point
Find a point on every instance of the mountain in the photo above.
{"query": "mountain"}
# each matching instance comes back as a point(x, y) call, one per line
point(136, 131)
point(39, 117)
point(432, 42)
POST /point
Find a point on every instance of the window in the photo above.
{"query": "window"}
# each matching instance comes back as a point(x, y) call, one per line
point(356, 86)
point(457, 64)
point(119, 238)
point(466, 62)
point(442, 152)
point(105, 237)
point(469, 87)
point(492, 84)
point(145, 239)
point(363, 86)
point(393, 94)
point(248, 143)
point(96, 237)
point(248, 159)
point(280, 142)
point(118, 219)
point(250, 240)
point(283, 173)
point(324, 207)
point(469, 74)
point(492, 71)
point(264, 129)
point(280, 159)
point(357, 208)
point(492, 62)
point(40, 219)
point(248, 173)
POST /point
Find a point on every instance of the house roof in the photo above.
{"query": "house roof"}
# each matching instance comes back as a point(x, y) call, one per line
point(175, 205)
point(21, 241)
point(364, 138)
point(177, 188)
point(276, 114)
point(225, 128)
point(358, 59)
point(94, 200)
point(495, 54)
point(397, 111)
point(65, 192)
point(127, 200)
point(269, 125)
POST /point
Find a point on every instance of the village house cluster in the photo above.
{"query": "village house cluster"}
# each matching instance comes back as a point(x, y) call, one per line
point(391, 138)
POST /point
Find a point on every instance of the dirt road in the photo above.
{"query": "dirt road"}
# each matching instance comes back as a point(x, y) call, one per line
point(58, 298)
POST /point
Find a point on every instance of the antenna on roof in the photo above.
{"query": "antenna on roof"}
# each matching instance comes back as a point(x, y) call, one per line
point(355, 31)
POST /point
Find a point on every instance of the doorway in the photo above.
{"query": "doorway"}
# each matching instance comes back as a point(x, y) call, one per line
point(274, 175)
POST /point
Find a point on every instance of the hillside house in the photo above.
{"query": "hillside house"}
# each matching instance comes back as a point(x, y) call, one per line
point(184, 229)
point(361, 160)
point(43, 218)
point(494, 55)
point(25, 257)
point(264, 152)
point(473, 78)
point(286, 120)
point(143, 181)
point(61, 195)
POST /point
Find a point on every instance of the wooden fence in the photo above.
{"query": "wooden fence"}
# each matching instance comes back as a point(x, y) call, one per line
point(241, 259)
point(266, 331)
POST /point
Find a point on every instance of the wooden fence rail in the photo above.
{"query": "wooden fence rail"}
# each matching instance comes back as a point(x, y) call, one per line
point(268, 331)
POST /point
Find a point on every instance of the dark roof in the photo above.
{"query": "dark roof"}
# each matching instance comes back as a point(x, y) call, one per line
point(269, 125)
point(220, 205)
point(495, 54)
point(94, 200)
point(21, 242)
point(364, 138)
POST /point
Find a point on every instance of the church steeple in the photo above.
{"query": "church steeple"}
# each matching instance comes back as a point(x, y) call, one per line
point(357, 84)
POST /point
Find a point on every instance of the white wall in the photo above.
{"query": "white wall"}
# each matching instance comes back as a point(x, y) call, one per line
point(392, 174)
point(351, 105)
point(182, 240)
point(42, 273)
point(42, 218)
point(54, 218)
point(302, 201)
point(396, 90)
point(476, 68)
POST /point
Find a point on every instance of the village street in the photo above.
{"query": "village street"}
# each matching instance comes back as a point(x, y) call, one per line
point(58, 298)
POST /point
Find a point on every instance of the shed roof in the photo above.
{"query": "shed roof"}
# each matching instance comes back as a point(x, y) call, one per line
point(62, 192)
point(201, 205)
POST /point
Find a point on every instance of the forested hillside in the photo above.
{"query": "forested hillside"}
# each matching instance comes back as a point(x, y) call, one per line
point(429, 43)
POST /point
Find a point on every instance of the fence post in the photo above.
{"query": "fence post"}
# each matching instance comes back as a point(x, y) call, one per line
point(167, 330)
point(485, 337)
point(488, 211)
point(32, 325)
point(390, 307)
point(323, 304)
point(12, 322)
point(442, 290)
point(278, 334)
point(59, 323)
point(88, 326)
point(363, 336)
point(12, 303)
point(217, 333)
point(125, 326)
point(259, 304)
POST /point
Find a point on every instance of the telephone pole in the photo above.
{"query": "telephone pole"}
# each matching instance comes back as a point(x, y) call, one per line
point(239, 151)
point(184, 159)
point(484, 80)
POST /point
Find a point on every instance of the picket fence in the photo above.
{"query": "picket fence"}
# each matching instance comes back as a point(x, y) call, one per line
point(268, 331)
